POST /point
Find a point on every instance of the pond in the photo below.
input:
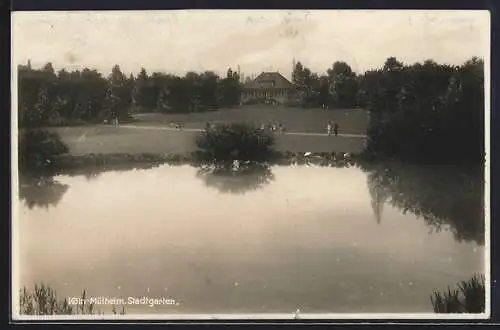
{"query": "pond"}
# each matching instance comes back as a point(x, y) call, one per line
point(354, 239)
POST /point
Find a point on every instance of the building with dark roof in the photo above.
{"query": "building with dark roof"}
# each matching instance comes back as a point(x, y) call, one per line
point(268, 87)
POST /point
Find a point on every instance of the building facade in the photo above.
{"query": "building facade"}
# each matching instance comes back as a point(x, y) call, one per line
point(269, 88)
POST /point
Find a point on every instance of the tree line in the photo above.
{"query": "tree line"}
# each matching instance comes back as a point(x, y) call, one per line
point(338, 88)
point(49, 98)
point(419, 112)
point(426, 112)
point(423, 111)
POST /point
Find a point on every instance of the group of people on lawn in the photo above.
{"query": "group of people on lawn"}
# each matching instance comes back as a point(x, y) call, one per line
point(332, 128)
point(276, 127)
point(112, 119)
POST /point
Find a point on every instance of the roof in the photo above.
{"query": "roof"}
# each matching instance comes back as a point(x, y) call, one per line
point(269, 80)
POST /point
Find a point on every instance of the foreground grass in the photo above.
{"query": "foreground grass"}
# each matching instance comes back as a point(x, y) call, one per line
point(43, 300)
point(468, 297)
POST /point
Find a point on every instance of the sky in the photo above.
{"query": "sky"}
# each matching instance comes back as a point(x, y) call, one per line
point(198, 40)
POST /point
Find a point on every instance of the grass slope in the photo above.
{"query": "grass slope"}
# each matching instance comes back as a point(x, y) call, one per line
point(353, 121)
point(107, 139)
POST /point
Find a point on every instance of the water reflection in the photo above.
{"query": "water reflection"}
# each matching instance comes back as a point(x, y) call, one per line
point(227, 179)
point(446, 198)
point(379, 195)
point(45, 191)
point(93, 172)
point(300, 241)
point(41, 192)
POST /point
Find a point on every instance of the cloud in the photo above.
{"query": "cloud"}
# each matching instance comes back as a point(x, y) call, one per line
point(179, 41)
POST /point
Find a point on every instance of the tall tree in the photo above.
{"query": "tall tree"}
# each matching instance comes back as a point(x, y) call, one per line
point(297, 75)
point(119, 97)
point(392, 65)
point(158, 84)
point(48, 68)
point(38, 114)
point(209, 89)
point(343, 85)
point(324, 95)
point(307, 83)
point(230, 89)
point(143, 93)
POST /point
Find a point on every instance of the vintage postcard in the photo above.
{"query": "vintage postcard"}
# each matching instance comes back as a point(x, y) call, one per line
point(250, 164)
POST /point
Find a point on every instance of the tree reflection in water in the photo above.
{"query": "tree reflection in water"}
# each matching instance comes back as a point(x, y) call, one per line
point(45, 191)
point(41, 192)
point(448, 197)
point(94, 172)
point(226, 179)
point(255, 175)
point(379, 195)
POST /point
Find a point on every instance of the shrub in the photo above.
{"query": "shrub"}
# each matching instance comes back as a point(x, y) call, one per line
point(38, 149)
point(237, 141)
point(468, 298)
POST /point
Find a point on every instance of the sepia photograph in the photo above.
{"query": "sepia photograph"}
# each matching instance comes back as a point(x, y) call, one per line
point(250, 164)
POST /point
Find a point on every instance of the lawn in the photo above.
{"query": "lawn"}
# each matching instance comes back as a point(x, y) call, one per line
point(352, 121)
point(108, 139)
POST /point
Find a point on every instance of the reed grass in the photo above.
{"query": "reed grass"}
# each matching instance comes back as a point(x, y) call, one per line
point(43, 300)
point(467, 297)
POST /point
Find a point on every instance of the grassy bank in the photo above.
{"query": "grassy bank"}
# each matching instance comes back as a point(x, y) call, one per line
point(49, 151)
point(144, 138)
point(96, 163)
point(313, 120)
point(68, 163)
point(106, 139)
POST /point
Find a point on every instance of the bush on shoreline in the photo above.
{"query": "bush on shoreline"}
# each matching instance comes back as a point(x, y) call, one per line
point(237, 141)
point(38, 150)
point(67, 163)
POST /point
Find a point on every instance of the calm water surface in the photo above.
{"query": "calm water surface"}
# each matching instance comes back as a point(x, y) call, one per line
point(321, 239)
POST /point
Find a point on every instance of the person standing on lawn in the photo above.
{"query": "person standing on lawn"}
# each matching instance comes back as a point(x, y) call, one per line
point(336, 129)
